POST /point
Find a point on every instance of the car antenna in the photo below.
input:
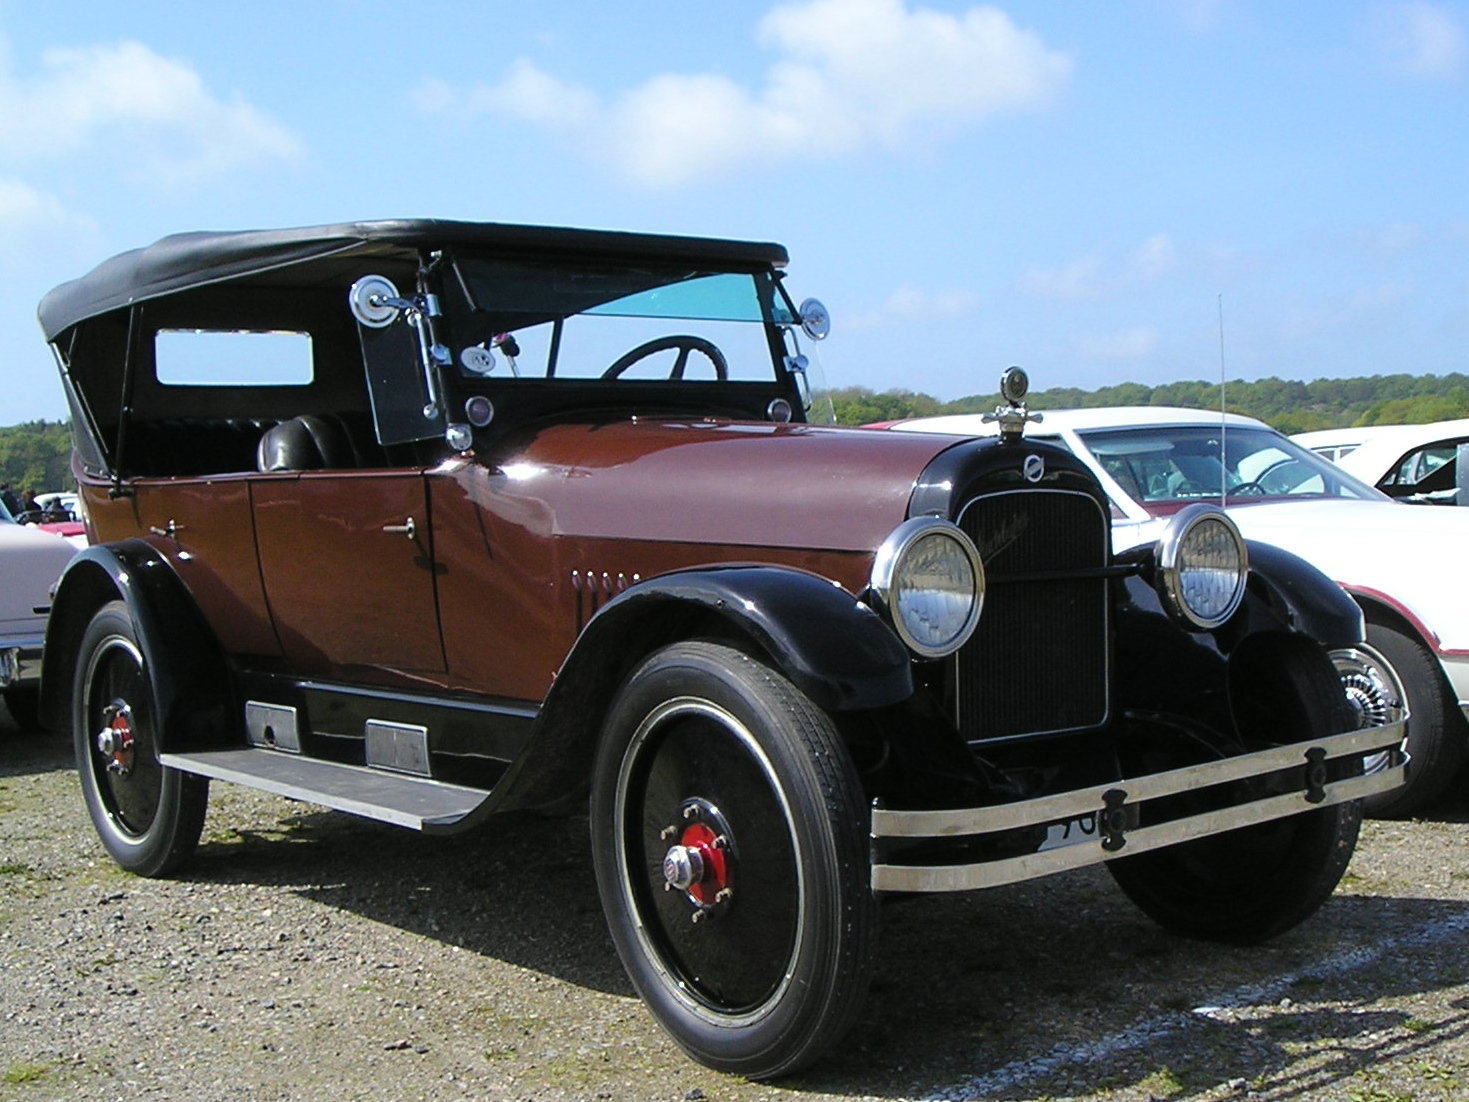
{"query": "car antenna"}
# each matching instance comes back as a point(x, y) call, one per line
point(1223, 418)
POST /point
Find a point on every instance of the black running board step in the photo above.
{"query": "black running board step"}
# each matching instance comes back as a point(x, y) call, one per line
point(414, 802)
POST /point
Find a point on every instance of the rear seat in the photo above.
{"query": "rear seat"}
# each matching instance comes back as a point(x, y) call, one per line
point(193, 446)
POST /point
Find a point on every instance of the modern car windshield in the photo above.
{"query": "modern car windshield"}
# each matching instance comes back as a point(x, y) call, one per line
point(644, 323)
point(1182, 463)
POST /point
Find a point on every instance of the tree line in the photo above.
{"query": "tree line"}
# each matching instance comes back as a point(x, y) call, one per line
point(37, 454)
point(1288, 405)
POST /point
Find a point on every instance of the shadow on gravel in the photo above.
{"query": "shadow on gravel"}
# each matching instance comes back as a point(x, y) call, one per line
point(1056, 987)
point(1017, 978)
point(27, 753)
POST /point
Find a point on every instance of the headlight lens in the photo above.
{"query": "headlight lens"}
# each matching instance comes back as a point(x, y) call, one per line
point(928, 582)
point(1202, 567)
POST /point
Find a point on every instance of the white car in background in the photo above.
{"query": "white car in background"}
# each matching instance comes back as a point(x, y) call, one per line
point(1403, 565)
point(1417, 463)
point(31, 560)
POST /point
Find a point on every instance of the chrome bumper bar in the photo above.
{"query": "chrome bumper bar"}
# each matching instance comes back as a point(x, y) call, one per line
point(20, 661)
point(1109, 808)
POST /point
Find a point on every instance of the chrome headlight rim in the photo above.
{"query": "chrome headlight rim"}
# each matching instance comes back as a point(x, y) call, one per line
point(887, 576)
point(1170, 566)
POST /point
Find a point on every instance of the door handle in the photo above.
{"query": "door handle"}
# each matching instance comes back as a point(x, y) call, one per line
point(409, 529)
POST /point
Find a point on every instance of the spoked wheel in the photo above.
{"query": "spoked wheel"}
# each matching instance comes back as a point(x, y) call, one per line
point(1249, 884)
point(729, 837)
point(148, 817)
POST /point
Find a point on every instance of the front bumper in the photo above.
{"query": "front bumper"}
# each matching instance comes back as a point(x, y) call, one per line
point(1090, 825)
point(20, 661)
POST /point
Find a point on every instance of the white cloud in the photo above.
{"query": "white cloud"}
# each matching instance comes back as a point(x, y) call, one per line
point(912, 304)
point(849, 76)
point(1419, 40)
point(1096, 276)
point(24, 210)
point(1128, 344)
point(153, 114)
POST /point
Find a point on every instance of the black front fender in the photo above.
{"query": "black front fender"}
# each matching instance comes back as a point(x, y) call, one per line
point(831, 646)
point(1303, 597)
point(185, 664)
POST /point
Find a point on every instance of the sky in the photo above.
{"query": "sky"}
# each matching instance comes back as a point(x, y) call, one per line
point(1135, 191)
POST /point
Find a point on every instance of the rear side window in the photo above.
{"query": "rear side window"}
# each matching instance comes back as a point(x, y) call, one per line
point(232, 357)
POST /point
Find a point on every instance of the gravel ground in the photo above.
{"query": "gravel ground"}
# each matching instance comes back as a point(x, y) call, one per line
point(310, 955)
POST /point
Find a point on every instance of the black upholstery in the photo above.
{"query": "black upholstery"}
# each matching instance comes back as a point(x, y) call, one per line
point(305, 443)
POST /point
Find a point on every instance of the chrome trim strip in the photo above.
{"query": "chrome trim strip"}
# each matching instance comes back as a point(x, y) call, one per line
point(1064, 806)
point(512, 709)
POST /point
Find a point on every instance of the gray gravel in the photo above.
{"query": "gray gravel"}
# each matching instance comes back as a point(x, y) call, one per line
point(310, 955)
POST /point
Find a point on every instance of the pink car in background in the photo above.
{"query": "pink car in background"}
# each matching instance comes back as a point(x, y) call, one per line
point(31, 560)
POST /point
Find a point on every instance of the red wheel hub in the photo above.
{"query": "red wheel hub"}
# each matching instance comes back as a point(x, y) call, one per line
point(115, 740)
point(701, 862)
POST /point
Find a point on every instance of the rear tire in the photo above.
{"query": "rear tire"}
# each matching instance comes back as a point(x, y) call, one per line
point(754, 948)
point(149, 817)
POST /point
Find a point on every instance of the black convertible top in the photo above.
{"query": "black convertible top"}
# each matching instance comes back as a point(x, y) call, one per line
point(187, 260)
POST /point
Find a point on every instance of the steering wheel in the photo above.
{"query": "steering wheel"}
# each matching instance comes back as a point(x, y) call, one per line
point(685, 343)
point(1254, 489)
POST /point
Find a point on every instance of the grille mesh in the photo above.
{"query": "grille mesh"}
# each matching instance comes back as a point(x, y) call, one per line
point(1038, 661)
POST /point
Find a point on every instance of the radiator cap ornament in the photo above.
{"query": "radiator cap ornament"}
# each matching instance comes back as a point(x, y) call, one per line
point(1012, 414)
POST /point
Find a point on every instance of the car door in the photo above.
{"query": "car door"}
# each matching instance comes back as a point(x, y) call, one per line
point(347, 562)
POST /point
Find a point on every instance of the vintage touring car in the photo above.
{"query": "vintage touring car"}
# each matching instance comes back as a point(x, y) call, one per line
point(426, 521)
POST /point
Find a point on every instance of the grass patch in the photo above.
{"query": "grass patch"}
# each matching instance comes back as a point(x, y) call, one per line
point(15, 869)
point(1163, 1083)
point(24, 1072)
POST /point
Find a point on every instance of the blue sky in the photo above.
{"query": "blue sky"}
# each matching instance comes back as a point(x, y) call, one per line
point(1071, 186)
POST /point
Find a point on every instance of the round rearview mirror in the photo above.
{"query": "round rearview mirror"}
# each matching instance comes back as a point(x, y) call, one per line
point(815, 321)
point(374, 301)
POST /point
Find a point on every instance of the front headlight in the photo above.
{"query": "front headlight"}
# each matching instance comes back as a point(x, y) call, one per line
point(928, 582)
point(1202, 567)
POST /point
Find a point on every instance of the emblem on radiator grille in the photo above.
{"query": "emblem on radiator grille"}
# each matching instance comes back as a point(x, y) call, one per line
point(1034, 468)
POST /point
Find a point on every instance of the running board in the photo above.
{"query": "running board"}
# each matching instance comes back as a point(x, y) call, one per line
point(413, 802)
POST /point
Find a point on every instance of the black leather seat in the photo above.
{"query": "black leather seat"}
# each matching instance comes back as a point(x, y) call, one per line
point(305, 443)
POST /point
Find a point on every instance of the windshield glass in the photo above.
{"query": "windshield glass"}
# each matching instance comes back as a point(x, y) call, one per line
point(1165, 464)
point(645, 323)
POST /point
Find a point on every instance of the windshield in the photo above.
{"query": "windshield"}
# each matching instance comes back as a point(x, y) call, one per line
point(1178, 464)
point(643, 323)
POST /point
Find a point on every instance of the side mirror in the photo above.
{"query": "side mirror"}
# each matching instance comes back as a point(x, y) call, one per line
point(815, 321)
point(375, 301)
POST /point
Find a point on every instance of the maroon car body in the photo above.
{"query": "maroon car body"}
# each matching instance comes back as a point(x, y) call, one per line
point(551, 526)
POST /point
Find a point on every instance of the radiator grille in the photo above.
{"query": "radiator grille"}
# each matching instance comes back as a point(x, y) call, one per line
point(1039, 659)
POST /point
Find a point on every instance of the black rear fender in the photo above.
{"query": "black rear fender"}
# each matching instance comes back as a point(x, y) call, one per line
point(186, 667)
